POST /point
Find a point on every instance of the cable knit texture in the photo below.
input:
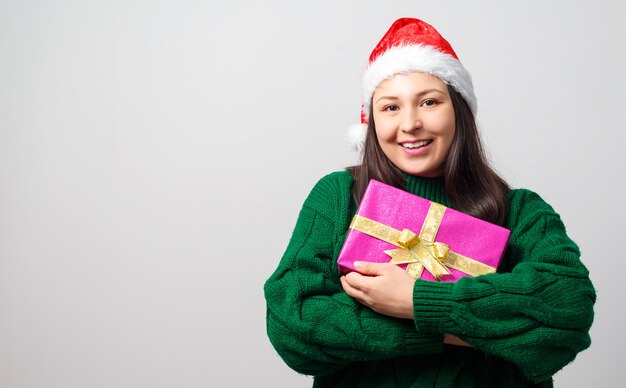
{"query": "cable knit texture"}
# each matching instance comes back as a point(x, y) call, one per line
point(524, 323)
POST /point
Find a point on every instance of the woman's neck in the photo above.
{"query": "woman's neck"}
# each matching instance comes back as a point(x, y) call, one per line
point(433, 189)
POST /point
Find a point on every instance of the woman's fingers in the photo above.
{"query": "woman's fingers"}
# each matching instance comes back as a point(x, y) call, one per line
point(389, 293)
point(354, 292)
point(359, 281)
point(372, 269)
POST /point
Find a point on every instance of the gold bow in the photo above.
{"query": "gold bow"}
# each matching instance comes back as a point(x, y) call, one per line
point(416, 250)
point(421, 251)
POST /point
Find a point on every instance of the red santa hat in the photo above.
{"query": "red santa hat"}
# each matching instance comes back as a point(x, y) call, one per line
point(411, 45)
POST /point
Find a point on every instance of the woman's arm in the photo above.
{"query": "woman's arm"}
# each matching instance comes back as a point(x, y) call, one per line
point(537, 316)
point(312, 323)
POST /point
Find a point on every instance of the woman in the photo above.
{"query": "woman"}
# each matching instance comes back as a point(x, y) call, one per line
point(381, 327)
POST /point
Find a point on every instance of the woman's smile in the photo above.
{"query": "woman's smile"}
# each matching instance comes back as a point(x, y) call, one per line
point(415, 147)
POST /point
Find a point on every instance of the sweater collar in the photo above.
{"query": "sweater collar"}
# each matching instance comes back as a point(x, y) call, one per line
point(433, 189)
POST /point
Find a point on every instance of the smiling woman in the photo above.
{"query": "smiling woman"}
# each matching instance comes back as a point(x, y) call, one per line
point(379, 326)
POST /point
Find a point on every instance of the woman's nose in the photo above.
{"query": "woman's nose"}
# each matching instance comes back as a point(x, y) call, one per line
point(411, 121)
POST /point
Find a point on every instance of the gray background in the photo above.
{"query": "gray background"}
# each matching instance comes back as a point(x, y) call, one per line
point(154, 156)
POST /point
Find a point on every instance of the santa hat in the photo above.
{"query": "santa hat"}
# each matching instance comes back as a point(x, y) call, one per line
point(411, 45)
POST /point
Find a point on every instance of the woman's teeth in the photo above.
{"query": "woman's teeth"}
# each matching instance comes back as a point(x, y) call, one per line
point(417, 144)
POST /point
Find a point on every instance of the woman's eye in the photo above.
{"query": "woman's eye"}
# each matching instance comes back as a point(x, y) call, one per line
point(391, 108)
point(429, 102)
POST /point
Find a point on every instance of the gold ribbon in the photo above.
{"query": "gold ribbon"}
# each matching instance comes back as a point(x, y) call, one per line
point(420, 251)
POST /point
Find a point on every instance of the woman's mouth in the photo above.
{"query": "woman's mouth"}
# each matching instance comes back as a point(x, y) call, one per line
point(417, 144)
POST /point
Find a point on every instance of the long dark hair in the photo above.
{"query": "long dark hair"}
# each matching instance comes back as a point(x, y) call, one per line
point(472, 186)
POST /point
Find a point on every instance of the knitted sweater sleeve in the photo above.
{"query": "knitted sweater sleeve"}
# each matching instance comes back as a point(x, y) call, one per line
point(538, 315)
point(312, 323)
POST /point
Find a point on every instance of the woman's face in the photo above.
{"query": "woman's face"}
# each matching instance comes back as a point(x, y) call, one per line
point(415, 123)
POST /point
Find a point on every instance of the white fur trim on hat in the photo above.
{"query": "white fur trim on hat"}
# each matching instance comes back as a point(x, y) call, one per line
point(418, 58)
point(356, 136)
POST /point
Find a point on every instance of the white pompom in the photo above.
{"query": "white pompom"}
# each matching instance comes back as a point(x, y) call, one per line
point(356, 136)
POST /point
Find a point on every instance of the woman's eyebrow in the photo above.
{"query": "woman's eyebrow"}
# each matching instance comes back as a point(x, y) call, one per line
point(393, 98)
point(387, 98)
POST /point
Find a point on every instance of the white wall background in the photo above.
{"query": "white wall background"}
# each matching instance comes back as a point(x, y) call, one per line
point(154, 156)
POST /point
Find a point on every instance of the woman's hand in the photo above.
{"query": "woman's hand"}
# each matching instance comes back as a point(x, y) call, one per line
point(383, 287)
point(454, 340)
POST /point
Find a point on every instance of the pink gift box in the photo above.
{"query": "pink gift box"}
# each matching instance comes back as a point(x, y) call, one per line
point(464, 234)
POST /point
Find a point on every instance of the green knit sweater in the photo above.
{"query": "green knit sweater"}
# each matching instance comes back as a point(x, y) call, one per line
point(524, 323)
